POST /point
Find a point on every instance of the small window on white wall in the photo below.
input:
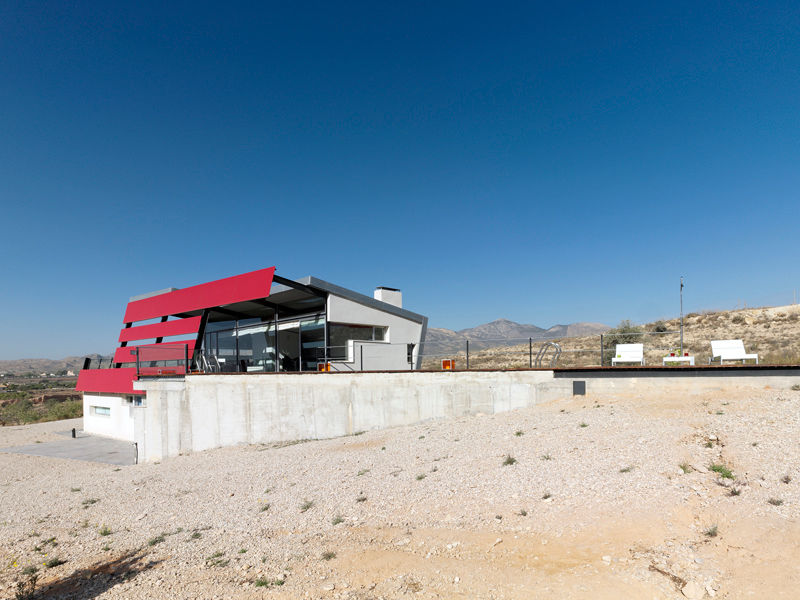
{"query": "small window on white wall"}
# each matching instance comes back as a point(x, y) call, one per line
point(101, 411)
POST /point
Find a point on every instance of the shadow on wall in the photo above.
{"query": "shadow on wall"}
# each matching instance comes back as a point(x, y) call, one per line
point(85, 584)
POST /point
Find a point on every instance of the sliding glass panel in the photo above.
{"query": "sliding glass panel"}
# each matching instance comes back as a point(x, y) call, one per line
point(289, 346)
point(312, 342)
point(226, 354)
point(257, 348)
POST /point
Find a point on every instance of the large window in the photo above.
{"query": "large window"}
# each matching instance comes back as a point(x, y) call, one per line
point(341, 334)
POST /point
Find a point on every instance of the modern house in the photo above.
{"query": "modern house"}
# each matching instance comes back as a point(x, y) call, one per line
point(257, 323)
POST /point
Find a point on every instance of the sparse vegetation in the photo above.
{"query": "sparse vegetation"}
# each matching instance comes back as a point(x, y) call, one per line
point(88, 502)
point(796, 387)
point(54, 562)
point(685, 467)
point(363, 472)
point(421, 476)
point(523, 513)
point(734, 491)
point(26, 589)
point(627, 469)
point(711, 531)
point(721, 470)
point(337, 519)
point(264, 507)
point(217, 560)
point(104, 531)
point(361, 498)
point(546, 496)
point(775, 501)
point(75, 489)
point(196, 535)
point(546, 457)
point(509, 460)
point(307, 504)
point(786, 479)
point(519, 433)
point(156, 540)
point(328, 555)
point(264, 582)
point(583, 424)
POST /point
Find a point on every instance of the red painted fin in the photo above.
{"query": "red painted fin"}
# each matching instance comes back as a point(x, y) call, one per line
point(111, 381)
point(238, 288)
point(156, 330)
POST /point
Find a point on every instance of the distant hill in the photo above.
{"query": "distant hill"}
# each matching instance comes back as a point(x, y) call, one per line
point(501, 332)
point(46, 365)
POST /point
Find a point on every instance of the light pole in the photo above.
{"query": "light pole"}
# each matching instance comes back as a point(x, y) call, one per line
point(681, 315)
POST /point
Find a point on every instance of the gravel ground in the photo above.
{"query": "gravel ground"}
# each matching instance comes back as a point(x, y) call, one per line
point(581, 498)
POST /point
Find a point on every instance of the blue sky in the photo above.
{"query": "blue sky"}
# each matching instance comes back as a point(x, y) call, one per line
point(546, 164)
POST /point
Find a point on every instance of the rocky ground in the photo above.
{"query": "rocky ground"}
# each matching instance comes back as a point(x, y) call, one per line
point(580, 498)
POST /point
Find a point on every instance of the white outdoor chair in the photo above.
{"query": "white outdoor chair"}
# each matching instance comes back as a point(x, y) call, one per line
point(628, 353)
point(729, 350)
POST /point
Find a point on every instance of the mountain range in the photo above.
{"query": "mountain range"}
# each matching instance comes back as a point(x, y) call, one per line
point(502, 332)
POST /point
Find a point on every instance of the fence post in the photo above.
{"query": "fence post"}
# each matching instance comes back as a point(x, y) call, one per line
point(601, 349)
point(362, 356)
point(186, 359)
point(530, 353)
point(467, 354)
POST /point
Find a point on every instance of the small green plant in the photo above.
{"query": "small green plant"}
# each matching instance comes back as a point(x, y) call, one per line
point(786, 479)
point(328, 555)
point(217, 560)
point(421, 476)
point(361, 498)
point(685, 467)
point(734, 491)
point(547, 496)
point(754, 444)
point(264, 507)
point(54, 562)
point(383, 447)
point(104, 531)
point(722, 471)
point(546, 457)
point(711, 531)
point(196, 535)
point(106, 548)
point(709, 444)
point(307, 504)
point(264, 582)
point(363, 472)
point(337, 519)
point(523, 513)
point(156, 540)
point(422, 437)
point(88, 502)
point(519, 433)
point(242, 550)
point(775, 501)
point(627, 469)
point(30, 570)
point(584, 424)
point(720, 412)
point(509, 460)
point(796, 387)
point(74, 489)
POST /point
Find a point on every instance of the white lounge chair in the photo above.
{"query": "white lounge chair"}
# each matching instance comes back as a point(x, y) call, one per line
point(729, 350)
point(629, 353)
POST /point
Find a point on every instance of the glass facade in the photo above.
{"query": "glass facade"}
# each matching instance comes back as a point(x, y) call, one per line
point(296, 344)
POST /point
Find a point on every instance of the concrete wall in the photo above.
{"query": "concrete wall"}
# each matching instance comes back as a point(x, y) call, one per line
point(401, 331)
point(118, 424)
point(210, 411)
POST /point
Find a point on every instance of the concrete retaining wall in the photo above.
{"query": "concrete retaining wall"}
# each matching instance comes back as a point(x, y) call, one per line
point(209, 411)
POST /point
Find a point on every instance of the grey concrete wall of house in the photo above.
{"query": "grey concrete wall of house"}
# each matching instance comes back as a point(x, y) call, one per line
point(210, 411)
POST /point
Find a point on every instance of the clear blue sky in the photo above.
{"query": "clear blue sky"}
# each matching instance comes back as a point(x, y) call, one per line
point(542, 163)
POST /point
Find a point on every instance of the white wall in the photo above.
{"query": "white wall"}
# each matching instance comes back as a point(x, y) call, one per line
point(401, 331)
point(373, 356)
point(119, 424)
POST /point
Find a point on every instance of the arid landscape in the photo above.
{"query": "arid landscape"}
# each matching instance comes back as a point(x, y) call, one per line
point(618, 497)
point(772, 332)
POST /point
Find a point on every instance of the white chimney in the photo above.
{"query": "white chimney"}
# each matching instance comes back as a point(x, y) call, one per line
point(389, 295)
